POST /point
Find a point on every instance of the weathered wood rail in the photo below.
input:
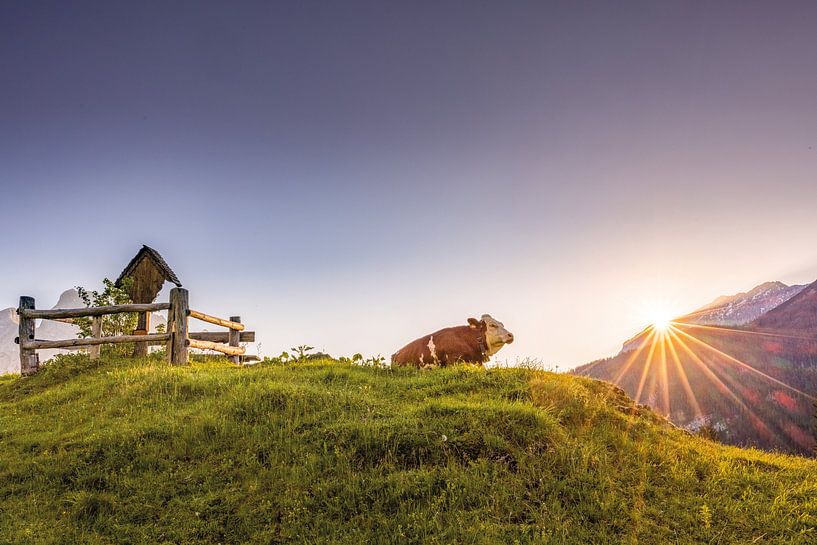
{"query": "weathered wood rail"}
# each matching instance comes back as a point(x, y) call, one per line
point(178, 338)
point(93, 341)
point(231, 348)
point(62, 313)
point(231, 324)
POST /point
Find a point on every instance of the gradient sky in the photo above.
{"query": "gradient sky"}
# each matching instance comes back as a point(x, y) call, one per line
point(353, 175)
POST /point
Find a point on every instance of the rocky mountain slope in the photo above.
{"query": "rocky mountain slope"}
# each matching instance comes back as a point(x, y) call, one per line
point(797, 315)
point(731, 310)
point(750, 383)
point(750, 389)
point(742, 308)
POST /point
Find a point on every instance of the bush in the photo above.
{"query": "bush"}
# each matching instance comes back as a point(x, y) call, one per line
point(112, 324)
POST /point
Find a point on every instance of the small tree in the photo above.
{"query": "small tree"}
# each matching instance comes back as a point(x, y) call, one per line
point(302, 352)
point(112, 324)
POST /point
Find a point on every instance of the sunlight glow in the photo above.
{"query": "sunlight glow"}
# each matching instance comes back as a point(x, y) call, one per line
point(743, 365)
point(658, 311)
point(658, 350)
point(662, 371)
point(661, 324)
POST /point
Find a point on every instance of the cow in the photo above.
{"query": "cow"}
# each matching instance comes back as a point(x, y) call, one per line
point(472, 343)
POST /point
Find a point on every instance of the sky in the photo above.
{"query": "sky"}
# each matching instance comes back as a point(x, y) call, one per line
point(354, 175)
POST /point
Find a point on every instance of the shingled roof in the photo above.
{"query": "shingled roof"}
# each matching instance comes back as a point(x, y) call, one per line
point(153, 255)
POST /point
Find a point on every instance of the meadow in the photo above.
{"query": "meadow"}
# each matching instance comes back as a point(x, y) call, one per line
point(136, 451)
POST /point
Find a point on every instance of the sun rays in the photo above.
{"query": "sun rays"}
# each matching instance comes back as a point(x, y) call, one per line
point(739, 331)
point(743, 365)
point(673, 362)
point(682, 375)
point(665, 339)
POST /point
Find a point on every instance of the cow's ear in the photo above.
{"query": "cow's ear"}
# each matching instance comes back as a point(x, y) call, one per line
point(476, 324)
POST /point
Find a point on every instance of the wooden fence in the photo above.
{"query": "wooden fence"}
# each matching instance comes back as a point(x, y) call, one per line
point(178, 338)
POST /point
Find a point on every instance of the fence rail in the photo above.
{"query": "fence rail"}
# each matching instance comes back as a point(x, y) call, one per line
point(178, 338)
point(63, 313)
point(221, 336)
point(218, 347)
point(92, 341)
point(236, 326)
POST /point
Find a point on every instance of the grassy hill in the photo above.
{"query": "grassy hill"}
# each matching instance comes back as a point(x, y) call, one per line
point(139, 452)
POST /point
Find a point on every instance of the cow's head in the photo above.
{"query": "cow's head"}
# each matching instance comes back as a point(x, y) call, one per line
point(496, 336)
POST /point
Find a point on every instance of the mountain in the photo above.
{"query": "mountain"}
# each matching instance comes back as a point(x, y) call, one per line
point(134, 452)
point(747, 388)
point(742, 308)
point(46, 329)
point(751, 384)
point(49, 329)
point(635, 342)
point(731, 310)
point(797, 315)
point(9, 353)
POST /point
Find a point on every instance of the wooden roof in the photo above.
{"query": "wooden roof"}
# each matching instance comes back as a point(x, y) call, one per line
point(149, 253)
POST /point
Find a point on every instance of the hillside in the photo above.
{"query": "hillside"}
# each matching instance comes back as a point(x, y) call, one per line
point(796, 315)
point(125, 452)
point(753, 389)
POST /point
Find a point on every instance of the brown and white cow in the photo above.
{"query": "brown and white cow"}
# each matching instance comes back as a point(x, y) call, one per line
point(472, 343)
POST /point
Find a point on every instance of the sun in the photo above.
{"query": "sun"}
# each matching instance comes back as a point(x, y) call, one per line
point(657, 312)
point(660, 320)
point(661, 324)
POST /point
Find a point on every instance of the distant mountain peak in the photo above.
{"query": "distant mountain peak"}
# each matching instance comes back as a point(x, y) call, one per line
point(8, 316)
point(735, 310)
point(46, 329)
point(798, 314)
point(69, 299)
point(745, 307)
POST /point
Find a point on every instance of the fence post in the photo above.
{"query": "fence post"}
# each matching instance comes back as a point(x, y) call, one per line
point(29, 362)
point(234, 337)
point(177, 319)
point(96, 332)
point(140, 350)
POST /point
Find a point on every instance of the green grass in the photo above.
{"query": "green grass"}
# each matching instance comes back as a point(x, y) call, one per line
point(139, 452)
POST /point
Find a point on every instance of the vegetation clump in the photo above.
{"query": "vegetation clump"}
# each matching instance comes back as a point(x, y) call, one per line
point(112, 324)
point(322, 451)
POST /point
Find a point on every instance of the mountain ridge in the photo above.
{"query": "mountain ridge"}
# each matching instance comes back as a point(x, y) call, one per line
point(796, 315)
point(751, 384)
point(744, 307)
point(731, 310)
